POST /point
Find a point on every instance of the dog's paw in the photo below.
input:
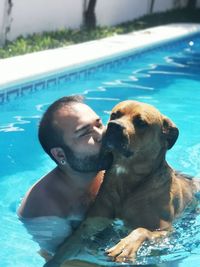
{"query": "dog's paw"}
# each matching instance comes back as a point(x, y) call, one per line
point(124, 251)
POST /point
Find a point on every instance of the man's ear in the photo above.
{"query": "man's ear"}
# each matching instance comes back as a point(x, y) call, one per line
point(58, 154)
point(170, 132)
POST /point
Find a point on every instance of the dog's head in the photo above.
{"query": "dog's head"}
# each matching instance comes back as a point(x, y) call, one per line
point(138, 131)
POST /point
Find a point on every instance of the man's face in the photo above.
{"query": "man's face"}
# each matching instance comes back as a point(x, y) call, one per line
point(82, 135)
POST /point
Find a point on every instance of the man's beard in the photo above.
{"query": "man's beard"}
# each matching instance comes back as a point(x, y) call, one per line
point(81, 164)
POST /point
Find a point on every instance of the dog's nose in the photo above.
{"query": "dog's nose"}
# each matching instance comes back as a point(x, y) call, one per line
point(115, 126)
point(117, 138)
point(114, 133)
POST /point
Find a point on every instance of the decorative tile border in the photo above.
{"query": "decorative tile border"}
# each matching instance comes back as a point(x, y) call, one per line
point(2, 97)
point(53, 80)
point(39, 85)
point(26, 89)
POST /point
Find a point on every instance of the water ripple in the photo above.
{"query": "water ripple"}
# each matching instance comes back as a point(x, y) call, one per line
point(16, 126)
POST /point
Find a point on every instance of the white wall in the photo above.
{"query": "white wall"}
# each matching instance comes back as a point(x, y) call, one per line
point(36, 16)
point(112, 12)
point(3, 20)
point(33, 16)
point(161, 5)
point(2, 10)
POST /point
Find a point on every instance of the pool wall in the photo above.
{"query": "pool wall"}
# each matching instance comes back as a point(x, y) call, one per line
point(25, 74)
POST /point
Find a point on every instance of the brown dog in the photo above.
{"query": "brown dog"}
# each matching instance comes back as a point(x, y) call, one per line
point(140, 187)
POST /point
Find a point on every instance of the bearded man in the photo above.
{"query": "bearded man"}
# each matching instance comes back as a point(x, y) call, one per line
point(70, 132)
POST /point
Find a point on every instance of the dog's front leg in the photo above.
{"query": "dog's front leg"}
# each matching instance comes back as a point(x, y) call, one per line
point(127, 248)
point(73, 244)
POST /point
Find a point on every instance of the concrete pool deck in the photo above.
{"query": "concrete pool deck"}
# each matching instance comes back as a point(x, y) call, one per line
point(17, 69)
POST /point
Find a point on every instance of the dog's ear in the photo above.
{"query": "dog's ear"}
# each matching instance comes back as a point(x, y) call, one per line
point(170, 132)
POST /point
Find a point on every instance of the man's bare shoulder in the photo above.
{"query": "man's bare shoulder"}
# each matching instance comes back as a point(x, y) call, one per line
point(39, 200)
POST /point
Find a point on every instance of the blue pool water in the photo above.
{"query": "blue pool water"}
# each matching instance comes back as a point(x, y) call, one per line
point(167, 77)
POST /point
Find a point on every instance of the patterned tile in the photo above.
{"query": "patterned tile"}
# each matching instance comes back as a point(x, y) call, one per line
point(2, 97)
point(51, 82)
point(12, 94)
point(40, 85)
point(25, 90)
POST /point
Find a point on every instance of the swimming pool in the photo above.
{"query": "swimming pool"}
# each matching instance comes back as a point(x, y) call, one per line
point(166, 76)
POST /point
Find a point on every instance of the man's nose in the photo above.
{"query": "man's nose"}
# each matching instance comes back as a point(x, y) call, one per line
point(98, 133)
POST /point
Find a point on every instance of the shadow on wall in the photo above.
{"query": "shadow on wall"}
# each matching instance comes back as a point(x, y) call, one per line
point(5, 23)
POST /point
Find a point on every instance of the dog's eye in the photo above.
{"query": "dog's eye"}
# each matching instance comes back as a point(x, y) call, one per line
point(115, 115)
point(139, 122)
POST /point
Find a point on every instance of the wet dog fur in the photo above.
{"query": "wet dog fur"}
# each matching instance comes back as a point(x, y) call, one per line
point(140, 187)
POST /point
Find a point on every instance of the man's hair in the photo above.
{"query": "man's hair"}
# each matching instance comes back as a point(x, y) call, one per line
point(49, 134)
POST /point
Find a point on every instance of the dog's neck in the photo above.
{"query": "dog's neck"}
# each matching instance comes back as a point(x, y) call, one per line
point(137, 171)
point(154, 180)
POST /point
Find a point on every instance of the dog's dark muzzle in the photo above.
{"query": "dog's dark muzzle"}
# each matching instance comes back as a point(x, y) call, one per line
point(116, 138)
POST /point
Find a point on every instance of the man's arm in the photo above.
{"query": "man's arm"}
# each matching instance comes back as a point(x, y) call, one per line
point(48, 232)
point(73, 244)
point(100, 215)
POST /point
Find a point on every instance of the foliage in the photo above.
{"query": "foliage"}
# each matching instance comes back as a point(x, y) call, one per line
point(64, 37)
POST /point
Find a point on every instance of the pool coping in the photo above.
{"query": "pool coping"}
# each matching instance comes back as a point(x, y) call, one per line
point(18, 69)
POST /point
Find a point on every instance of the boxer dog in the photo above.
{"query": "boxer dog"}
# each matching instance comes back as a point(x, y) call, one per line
point(140, 187)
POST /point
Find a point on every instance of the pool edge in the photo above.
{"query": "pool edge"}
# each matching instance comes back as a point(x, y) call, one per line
point(18, 69)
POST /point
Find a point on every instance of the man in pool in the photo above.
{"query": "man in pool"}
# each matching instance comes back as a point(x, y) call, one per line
point(70, 132)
